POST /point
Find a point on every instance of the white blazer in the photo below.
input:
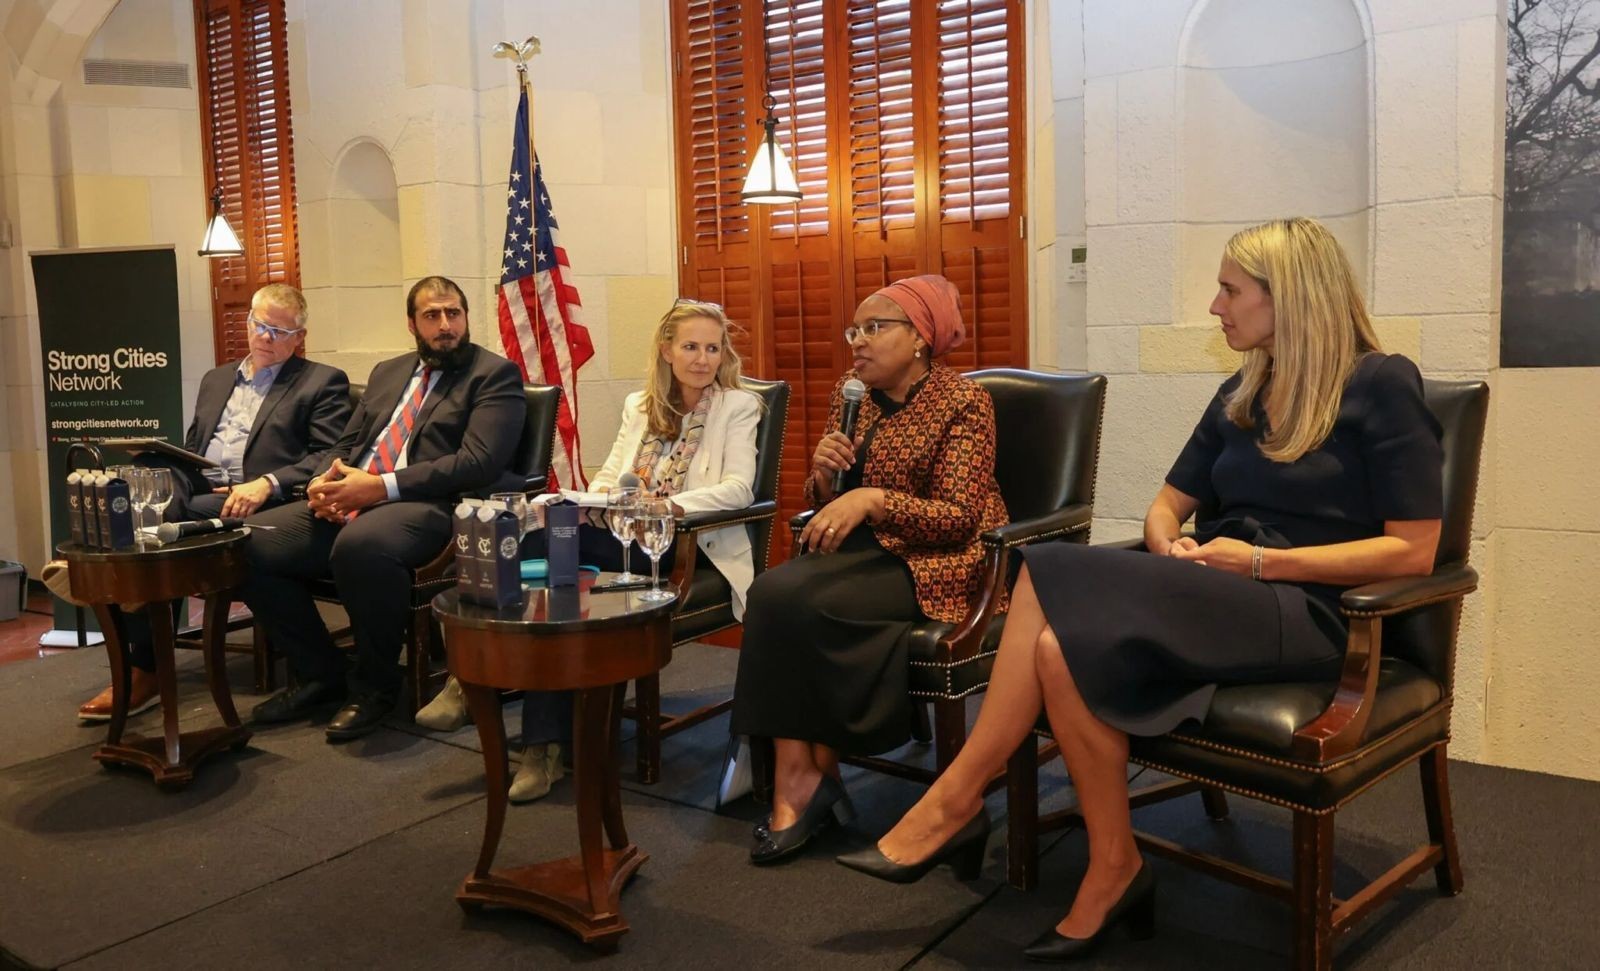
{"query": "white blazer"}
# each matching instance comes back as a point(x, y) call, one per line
point(722, 476)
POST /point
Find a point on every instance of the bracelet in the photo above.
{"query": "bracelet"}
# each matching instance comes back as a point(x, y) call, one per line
point(1255, 563)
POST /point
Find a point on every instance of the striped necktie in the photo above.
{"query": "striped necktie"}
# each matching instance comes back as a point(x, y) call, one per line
point(392, 444)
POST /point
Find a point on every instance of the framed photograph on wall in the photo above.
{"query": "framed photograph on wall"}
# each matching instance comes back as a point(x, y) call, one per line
point(1550, 293)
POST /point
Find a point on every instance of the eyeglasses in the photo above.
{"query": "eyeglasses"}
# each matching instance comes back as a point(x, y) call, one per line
point(271, 333)
point(871, 328)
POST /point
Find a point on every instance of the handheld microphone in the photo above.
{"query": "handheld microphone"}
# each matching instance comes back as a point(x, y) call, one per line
point(172, 532)
point(628, 480)
point(852, 392)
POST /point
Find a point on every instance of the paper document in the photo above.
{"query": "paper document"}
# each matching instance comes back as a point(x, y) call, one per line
point(593, 499)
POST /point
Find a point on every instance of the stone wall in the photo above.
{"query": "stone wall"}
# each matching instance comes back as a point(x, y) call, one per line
point(1385, 119)
point(86, 166)
point(402, 126)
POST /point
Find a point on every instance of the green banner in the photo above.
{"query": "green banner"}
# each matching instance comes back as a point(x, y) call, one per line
point(109, 344)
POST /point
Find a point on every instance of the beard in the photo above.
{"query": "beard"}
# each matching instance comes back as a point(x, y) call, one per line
point(453, 359)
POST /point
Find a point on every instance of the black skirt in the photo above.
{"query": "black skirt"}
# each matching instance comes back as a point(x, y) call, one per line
point(1148, 639)
point(824, 656)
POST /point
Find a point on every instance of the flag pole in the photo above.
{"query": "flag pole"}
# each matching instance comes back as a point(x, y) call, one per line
point(521, 54)
point(527, 51)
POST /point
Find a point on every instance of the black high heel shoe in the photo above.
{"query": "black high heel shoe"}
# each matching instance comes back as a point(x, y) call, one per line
point(830, 802)
point(1137, 906)
point(963, 851)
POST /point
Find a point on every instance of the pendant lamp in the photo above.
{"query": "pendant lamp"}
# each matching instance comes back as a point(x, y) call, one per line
point(771, 177)
point(219, 239)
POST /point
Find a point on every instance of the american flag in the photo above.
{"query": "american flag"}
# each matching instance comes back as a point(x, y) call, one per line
point(541, 323)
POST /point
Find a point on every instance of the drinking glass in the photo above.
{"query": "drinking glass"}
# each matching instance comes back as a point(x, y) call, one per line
point(655, 525)
point(159, 484)
point(517, 504)
point(621, 506)
point(139, 496)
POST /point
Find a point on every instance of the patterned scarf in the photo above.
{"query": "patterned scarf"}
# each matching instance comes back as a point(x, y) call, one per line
point(650, 449)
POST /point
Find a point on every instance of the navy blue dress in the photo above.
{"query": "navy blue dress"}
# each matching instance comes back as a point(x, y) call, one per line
point(1149, 638)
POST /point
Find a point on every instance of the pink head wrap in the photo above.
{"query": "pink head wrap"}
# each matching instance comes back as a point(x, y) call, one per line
point(934, 306)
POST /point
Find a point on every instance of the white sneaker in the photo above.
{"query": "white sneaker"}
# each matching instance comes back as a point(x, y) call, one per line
point(541, 768)
point(447, 711)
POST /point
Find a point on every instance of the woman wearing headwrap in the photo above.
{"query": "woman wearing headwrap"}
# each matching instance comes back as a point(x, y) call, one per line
point(823, 668)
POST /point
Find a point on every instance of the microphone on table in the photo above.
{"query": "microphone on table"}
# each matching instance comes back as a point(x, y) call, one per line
point(628, 480)
point(853, 392)
point(172, 532)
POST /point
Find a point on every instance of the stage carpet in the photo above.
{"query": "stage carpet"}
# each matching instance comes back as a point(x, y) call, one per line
point(298, 853)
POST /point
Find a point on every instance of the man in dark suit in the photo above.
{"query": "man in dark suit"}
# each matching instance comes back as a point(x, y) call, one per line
point(433, 425)
point(258, 418)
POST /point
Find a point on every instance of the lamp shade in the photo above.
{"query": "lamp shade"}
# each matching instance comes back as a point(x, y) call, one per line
point(219, 239)
point(771, 178)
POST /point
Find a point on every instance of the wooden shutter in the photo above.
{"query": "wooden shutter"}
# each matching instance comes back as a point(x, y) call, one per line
point(883, 75)
point(244, 95)
point(798, 255)
point(979, 163)
point(712, 103)
point(904, 120)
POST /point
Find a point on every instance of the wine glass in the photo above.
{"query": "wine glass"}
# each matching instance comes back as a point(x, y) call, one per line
point(655, 524)
point(159, 484)
point(139, 497)
point(621, 506)
point(516, 503)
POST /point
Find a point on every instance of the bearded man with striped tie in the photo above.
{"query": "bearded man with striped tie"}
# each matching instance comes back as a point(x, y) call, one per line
point(434, 424)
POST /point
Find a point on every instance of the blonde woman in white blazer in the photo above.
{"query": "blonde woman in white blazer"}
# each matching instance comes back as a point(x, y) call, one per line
point(720, 476)
point(690, 436)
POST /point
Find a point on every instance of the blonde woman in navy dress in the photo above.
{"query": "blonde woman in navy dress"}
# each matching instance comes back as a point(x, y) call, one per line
point(1316, 467)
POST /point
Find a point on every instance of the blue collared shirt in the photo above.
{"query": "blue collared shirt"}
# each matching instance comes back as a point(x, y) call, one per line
point(227, 446)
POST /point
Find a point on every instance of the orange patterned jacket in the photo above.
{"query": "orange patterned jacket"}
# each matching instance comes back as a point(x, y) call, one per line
point(934, 460)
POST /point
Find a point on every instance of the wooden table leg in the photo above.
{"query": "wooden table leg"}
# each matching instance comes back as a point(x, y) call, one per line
point(591, 722)
point(171, 758)
point(484, 704)
point(213, 634)
point(159, 614)
point(110, 618)
point(580, 893)
point(616, 832)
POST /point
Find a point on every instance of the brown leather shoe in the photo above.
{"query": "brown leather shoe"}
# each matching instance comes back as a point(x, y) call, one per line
point(145, 695)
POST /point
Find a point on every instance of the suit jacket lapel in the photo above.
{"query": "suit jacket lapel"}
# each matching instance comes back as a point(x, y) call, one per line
point(208, 408)
point(380, 402)
point(447, 380)
point(280, 386)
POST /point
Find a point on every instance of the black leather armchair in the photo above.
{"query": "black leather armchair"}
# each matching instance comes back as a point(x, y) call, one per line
point(1313, 747)
point(706, 608)
point(1047, 445)
point(424, 643)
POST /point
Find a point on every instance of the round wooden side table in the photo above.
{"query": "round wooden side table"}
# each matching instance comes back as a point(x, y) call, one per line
point(200, 566)
point(592, 642)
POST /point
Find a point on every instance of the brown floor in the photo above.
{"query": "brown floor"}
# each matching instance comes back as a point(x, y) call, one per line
point(19, 639)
